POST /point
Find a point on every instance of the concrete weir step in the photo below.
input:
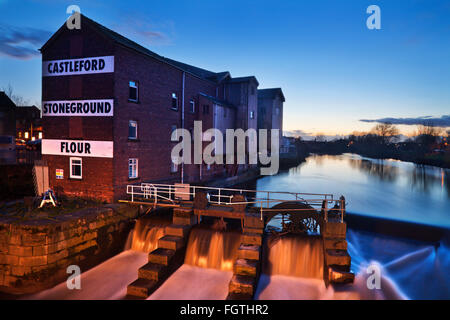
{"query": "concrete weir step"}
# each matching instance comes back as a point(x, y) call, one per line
point(251, 238)
point(183, 216)
point(177, 230)
point(248, 251)
point(141, 288)
point(253, 230)
point(337, 274)
point(253, 221)
point(242, 285)
point(161, 256)
point(171, 242)
point(335, 243)
point(245, 267)
point(337, 257)
point(152, 271)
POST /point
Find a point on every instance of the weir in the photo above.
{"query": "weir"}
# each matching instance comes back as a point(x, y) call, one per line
point(318, 217)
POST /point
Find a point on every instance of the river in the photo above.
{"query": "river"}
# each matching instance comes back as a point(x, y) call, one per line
point(381, 188)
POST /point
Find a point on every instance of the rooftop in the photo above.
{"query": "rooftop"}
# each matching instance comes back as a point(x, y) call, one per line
point(199, 72)
point(271, 93)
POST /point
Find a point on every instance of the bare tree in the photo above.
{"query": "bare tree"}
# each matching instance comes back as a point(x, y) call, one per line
point(17, 99)
point(427, 134)
point(428, 129)
point(386, 131)
point(320, 137)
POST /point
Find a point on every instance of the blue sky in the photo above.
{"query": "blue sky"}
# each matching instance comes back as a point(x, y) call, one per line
point(333, 70)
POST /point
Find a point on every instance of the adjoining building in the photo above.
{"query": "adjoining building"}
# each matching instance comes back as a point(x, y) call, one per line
point(20, 131)
point(270, 111)
point(7, 130)
point(110, 105)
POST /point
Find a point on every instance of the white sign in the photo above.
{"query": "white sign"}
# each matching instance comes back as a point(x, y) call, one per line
point(97, 108)
point(79, 148)
point(78, 66)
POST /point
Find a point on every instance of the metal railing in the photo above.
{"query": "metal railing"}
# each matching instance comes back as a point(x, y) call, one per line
point(263, 200)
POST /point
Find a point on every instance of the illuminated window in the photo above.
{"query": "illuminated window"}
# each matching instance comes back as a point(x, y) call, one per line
point(20, 134)
point(173, 167)
point(174, 101)
point(76, 168)
point(33, 138)
point(134, 91)
point(252, 114)
point(132, 129)
point(172, 129)
point(40, 135)
point(26, 135)
point(132, 168)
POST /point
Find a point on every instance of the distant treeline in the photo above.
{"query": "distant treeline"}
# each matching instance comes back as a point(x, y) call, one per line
point(430, 145)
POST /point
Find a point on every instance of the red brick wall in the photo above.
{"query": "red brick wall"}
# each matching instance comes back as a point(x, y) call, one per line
point(154, 115)
point(97, 172)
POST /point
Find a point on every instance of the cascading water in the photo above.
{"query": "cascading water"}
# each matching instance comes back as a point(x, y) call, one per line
point(212, 249)
point(109, 279)
point(144, 237)
point(297, 257)
point(207, 269)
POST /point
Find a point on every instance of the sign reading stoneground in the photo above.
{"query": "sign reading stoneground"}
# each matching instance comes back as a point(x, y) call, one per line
point(99, 108)
point(79, 148)
point(78, 66)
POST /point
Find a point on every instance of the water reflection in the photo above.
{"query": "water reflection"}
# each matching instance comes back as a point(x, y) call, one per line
point(386, 188)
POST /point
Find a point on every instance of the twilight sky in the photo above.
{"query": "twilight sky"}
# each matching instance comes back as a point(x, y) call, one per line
point(333, 70)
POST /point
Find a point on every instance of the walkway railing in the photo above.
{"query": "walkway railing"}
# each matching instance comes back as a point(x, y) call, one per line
point(263, 200)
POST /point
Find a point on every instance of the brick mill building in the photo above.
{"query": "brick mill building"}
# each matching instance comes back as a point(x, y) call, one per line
point(109, 107)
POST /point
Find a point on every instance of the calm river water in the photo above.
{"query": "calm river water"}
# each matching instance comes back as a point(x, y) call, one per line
point(382, 188)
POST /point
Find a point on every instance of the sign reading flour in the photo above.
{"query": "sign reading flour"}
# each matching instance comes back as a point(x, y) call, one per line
point(78, 66)
point(79, 148)
point(97, 108)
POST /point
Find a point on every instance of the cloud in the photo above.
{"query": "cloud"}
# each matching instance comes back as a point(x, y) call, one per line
point(147, 33)
point(443, 121)
point(21, 42)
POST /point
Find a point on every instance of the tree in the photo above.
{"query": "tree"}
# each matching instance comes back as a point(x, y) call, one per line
point(18, 100)
point(427, 134)
point(320, 137)
point(387, 132)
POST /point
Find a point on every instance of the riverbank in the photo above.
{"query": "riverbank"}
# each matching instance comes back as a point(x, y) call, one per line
point(407, 152)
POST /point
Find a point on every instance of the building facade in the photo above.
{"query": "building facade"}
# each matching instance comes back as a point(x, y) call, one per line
point(270, 111)
point(110, 107)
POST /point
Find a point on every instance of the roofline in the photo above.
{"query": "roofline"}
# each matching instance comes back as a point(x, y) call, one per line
point(156, 57)
point(279, 90)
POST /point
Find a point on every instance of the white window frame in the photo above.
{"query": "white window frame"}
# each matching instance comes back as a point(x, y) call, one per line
point(136, 126)
point(192, 105)
point(71, 175)
point(136, 164)
point(136, 86)
point(252, 114)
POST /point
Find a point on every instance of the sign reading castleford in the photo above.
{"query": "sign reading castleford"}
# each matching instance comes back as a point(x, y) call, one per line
point(97, 108)
point(78, 66)
point(79, 148)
